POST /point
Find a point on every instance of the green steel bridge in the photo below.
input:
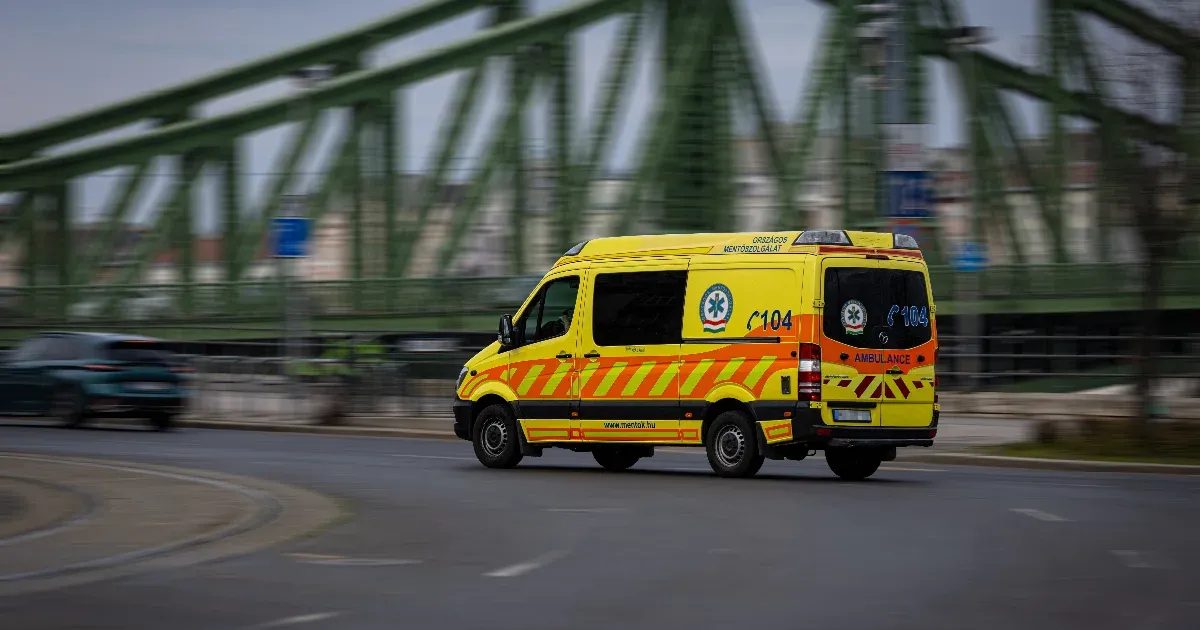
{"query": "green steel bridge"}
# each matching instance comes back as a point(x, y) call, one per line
point(406, 249)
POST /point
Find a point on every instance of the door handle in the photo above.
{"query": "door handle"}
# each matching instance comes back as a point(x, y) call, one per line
point(592, 355)
point(563, 355)
point(894, 371)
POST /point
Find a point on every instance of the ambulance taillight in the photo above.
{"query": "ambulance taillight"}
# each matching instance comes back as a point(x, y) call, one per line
point(808, 385)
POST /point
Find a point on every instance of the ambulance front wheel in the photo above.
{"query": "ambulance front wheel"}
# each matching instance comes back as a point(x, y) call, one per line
point(852, 464)
point(732, 446)
point(495, 438)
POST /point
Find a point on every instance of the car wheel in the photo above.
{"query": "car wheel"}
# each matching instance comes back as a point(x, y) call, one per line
point(732, 446)
point(162, 421)
point(495, 438)
point(853, 464)
point(67, 406)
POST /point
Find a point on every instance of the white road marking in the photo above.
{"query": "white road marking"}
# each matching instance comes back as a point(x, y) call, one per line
point(298, 619)
point(1039, 515)
point(522, 568)
point(461, 459)
point(911, 469)
point(586, 510)
point(1133, 559)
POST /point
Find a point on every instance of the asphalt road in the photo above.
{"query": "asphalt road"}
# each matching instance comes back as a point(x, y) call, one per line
point(440, 542)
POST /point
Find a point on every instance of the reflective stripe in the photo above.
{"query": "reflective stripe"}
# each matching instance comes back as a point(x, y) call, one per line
point(529, 380)
point(556, 378)
point(730, 368)
point(586, 375)
point(640, 375)
point(609, 379)
point(759, 370)
point(664, 381)
point(693, 379)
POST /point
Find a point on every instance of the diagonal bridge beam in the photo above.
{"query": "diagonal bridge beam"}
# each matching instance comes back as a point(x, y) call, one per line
point(361, 86)
point(344, 47)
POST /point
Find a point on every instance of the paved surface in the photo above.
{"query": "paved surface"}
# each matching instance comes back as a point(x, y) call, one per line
point(440, 542)
point(80, 520)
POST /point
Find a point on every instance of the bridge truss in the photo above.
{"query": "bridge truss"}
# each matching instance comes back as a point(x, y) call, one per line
point(685, 177)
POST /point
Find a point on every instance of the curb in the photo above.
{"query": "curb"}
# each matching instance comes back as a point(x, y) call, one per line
point(1082, 465)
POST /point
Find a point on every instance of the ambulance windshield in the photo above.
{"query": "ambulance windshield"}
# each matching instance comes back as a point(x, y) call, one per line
point(879, 309)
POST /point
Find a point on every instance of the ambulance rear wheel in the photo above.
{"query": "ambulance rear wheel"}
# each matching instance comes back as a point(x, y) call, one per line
point(732, 447)
point(495, 438)
point(614, 458)
point(853, 464)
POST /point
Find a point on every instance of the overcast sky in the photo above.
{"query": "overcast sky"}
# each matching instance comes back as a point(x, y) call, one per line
point(66, 56)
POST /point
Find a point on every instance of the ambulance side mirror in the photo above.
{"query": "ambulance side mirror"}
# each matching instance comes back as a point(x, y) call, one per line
point(506, 331)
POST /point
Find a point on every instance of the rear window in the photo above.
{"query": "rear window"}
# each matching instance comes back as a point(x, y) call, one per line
point(138, 352)
point(879, 309)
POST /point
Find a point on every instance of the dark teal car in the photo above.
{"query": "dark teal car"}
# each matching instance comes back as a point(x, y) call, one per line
point(74, 377)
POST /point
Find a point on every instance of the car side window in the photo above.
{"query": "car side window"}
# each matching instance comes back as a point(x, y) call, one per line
point(638, 308)
point(31, 350)
point(550, 313)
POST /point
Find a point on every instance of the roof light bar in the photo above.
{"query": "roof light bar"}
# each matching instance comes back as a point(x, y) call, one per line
point(823, 237)
point(574, 251)
point(904, 241)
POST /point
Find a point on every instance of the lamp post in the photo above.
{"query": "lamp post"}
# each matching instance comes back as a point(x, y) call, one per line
point(296, 207)
point(968, 262)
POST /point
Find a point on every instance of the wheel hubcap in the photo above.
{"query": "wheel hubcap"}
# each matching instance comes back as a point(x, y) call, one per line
point(495, 438)
point(731, 446)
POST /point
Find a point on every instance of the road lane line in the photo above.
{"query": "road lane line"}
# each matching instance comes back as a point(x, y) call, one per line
point(586, 510)
point(522, 568)
point(461, 459)
point(1039, 515)
point(909, 469)
point(298, 619)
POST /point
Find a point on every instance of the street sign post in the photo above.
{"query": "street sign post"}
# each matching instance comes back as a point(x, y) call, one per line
point(290, 238)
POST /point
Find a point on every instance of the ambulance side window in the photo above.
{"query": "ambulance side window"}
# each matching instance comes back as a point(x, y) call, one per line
point(638, 309)
point(550, 313)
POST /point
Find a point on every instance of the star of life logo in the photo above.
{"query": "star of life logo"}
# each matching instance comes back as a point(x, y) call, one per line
point(716, 306)
point(854, 317)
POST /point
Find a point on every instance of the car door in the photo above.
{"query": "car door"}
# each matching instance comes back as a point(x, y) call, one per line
point(877, 350)
point(629, 376)
point(542, 365)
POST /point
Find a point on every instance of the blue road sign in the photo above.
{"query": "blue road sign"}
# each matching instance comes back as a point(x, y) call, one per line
point(290, 237)
point(970, 257)
point(908, 194)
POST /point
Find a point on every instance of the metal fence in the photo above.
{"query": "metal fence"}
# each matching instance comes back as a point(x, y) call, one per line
point(412, 379)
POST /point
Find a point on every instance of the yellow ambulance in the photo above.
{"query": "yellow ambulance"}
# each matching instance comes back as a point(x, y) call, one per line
point(753, 346)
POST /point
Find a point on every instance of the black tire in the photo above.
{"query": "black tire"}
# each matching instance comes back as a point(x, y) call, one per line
point(162, 421)
point(853, 464)
point(614, 458)
point(68, 406)
point(732, 446)
point(495, 438)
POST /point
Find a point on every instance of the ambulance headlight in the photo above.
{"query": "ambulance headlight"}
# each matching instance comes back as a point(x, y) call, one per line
point(462, 376)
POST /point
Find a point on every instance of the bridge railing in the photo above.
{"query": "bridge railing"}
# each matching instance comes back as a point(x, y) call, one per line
point(444, 302)
point(409, 378)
